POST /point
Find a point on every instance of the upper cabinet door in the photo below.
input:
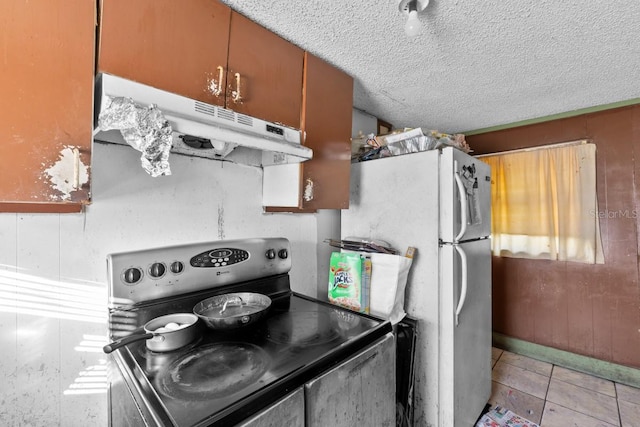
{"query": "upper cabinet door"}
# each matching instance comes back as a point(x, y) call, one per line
point(327, 111)
point(177, 46)
point(46, 104)
point(202, 50)
point(265, 73)
point(326, 119)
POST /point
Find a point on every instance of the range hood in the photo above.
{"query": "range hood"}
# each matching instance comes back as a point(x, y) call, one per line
point(205, 130)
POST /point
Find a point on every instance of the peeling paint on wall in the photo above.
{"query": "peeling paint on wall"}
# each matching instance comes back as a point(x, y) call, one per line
point(67, 174)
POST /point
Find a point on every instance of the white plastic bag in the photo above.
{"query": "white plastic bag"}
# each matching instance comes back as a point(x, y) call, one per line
point(388, 282)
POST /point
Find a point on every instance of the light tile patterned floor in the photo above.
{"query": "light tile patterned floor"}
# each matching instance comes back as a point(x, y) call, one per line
point(553, 396)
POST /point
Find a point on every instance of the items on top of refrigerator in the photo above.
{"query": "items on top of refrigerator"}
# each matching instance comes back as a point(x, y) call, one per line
point(362, 245)
point(404, 142)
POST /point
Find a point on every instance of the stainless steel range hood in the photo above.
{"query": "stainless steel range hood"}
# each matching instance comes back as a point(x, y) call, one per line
point(204, 130)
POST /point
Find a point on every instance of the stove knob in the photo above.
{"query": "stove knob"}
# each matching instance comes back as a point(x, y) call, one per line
point(132, 275)
point(157, 269)
point(176, 267)
point(271, 253)
point(283, 253)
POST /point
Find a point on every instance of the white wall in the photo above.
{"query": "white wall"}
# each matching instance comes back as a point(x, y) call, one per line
point(53, 271)
point(363, 123)
point(328, 223)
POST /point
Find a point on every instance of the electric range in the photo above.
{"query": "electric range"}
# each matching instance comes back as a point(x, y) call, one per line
point(223, 376)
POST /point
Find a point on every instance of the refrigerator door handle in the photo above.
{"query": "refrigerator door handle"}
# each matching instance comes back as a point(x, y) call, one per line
point(463, 280)
point(463, 204)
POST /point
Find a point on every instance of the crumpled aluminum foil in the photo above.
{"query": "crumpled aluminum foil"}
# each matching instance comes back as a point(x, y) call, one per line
point(144, 128)
point(412, 145)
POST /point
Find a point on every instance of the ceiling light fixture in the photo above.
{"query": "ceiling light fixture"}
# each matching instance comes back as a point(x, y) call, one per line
point(411, 8)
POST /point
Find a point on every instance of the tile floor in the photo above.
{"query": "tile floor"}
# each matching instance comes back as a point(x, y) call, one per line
point(553, 396)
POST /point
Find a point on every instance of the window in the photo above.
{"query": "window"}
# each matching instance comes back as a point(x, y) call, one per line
point(544, 203)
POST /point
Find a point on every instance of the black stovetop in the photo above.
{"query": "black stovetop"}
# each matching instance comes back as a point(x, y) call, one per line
point(223, 377)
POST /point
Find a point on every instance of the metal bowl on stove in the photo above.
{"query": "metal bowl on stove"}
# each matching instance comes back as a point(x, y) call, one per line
point(234, 310)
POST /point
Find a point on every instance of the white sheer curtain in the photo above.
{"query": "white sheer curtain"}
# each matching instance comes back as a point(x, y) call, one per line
point(544, 203)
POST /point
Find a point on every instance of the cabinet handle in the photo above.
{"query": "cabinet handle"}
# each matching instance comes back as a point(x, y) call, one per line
point(236, 94)
point(218, 91)
point(308, 190)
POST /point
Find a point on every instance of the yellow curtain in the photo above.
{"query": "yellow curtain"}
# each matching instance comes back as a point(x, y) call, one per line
point(544, 204)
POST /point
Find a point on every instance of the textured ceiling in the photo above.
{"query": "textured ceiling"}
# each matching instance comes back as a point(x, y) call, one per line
point(476, 64)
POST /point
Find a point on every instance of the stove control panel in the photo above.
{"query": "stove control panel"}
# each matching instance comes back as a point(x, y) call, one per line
point(219, 258)
point(149, 274)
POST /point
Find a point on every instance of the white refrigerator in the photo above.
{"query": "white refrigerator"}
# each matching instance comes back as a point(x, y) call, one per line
point(438, 202)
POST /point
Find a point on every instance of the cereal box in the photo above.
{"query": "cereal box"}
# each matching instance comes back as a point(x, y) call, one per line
point(345, 280)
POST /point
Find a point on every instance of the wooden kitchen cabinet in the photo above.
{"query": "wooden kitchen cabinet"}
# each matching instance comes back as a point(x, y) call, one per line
point(46, 104)
point(167, 44)
point(288, 411)
point(358, 392)
point(326, 119)
point(327, 112)
point(203, 50)
point(270, 70)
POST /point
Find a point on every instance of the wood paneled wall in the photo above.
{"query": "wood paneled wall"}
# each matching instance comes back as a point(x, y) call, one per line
point(592, 310)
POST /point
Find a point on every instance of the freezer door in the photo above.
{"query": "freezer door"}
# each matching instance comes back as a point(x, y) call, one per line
point(465, 197)
point(465, 332)
point(395, 199)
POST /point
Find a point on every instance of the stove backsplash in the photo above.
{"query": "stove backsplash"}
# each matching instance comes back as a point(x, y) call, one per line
point(53, 267)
